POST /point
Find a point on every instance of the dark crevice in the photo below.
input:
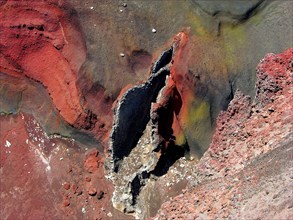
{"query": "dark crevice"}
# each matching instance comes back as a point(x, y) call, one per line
point(133, 110)
point(219, 28)
point(135, 189)
point(252, 11)
point(168, 157)
point(229, 97)
point(136, 185)
point(132, 114)
point(165, 117)
point(40, 27)
point(163, 60)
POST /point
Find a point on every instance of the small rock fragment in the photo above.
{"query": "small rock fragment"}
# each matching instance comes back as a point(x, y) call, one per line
point(66, 203)
point(78, 192)
point(100, 195)
point(92, 191)
point(91, 163)
point(74, 188)
point(271, 109)
point(154, 30)
point(66, 186)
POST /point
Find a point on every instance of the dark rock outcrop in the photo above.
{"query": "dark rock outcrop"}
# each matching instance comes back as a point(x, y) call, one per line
point(149, 112)
point(63, 64)
point(132, 112)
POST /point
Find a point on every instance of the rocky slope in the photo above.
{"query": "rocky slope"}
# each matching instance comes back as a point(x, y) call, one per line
point(247, 170)
point(110, 109)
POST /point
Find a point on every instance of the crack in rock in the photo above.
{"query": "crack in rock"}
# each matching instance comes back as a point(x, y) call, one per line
point(140, 150)
point(132, 112)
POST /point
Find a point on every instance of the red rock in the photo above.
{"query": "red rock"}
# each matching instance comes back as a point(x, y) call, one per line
point(74, 188)
point(78, 192)
point(92, 191)
point(45, 45)
point(241, 136)
point(24, 172)
point(66, 203)
point(91, 163)
point(66, 186)
point(100, 195)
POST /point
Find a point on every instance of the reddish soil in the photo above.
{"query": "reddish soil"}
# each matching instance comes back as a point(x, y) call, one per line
point(44, 42)
point(49, 177)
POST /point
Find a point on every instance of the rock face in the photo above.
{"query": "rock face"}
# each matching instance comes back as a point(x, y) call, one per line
point(45, 47)
point(83, 97)
point(76, 46)
point(134, 159)
point(226, 41)
point(234, 179)
point(132, 112)
point(243, 132)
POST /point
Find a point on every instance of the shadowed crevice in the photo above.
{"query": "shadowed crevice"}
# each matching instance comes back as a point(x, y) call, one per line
point(132, 112)
point(239, 11)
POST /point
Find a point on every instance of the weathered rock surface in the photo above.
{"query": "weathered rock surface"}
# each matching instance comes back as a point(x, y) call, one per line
point(77, 36)
point(258, 191)
point(133, 159)
point(221, 55)
point(132, 112)
point(242, 133)
point(247, 170)
point(64, 63)
point(46, 45)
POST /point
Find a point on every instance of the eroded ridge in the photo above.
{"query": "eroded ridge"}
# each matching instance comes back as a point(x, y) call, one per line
point(132, 112)
point(146, 138)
